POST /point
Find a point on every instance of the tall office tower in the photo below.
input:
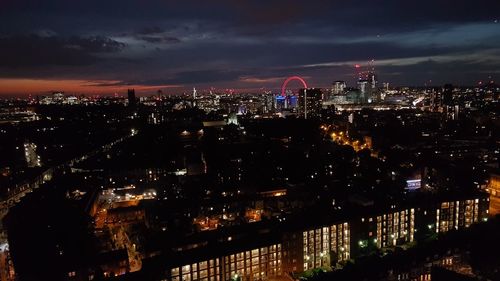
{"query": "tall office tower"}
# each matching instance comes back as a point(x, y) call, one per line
point(132, 100)
point(386, 86)
point(443, 98)
point(292, 101)
point(310, 102)
point(456, 112)
point(363, 86)
point(367, 80)
point(277, 102)
point(194, 104)
point(447, 95)
point(338, 87)
point(372, 80)
point(434, 97)
point(268, 103)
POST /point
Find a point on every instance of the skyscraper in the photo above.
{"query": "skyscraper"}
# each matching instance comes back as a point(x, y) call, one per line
point(363, 86)
point(447, 95)
point(132, 101)
point(310, 102)
point(372, 80)
point(338, 87)
point(268, 103)
point(443, 98)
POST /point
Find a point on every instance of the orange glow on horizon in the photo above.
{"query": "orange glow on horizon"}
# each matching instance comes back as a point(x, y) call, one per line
point(18, 86)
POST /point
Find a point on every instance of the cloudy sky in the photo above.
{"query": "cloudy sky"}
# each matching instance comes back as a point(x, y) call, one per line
point(106, 46)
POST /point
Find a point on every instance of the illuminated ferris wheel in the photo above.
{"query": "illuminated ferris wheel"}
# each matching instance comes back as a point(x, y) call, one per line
point(283, 87)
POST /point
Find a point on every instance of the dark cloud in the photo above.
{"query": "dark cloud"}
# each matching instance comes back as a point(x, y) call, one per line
point(36, 50)
point(160, 39)
point(150, 30)
point(357, 14)
point(217, 42)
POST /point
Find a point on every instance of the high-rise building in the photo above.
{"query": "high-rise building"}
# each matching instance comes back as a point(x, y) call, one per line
point(386, 86)
point(281, 102)
point(457, 112)
point(363, 86)
point(338, 87)
point(447, 95)
point(372, 80)
point(310, 102)
point(267, 102)
point(442, 99)
point(132, 100)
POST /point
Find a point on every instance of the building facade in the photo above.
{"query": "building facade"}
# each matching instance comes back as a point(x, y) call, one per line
point(310, 102)
point(327, 245)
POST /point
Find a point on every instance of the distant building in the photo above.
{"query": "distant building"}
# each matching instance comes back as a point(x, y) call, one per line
point(456, 112)
point(372, 78)
point(310, 102)
point(58, 96)
point(132, 100)
point(268, 103)
point(357, 96)
point(281, 102)
point(339, 99)
point(30, 155)
point(443, 98)
point(363, 86)
point(338, 87)
point(386, 86)
point(447, 95)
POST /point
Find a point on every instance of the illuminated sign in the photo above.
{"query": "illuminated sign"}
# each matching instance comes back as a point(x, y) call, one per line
point(413, 184)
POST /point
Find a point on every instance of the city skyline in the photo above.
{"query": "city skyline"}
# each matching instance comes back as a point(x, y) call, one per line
point(104, 48)
point(249, 140)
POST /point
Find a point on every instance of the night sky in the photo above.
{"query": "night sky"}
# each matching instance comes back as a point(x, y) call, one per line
point(106, 46)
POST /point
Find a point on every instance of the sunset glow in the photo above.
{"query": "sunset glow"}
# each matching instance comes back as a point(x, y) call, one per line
point(34, 86)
